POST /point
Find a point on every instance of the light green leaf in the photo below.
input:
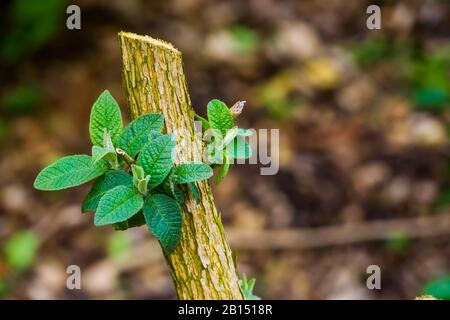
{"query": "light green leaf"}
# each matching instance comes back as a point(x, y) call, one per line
point(223, 171)
point(99, 153)
point(142, 185)
point(156, 158)
point(239, 149)
point(247, 288)
point(219, 116)
point(102, 185)
point(105, 114)
point(138, 171)
point(69, 172)
point(136, 135)
point(191, 172)
point(117, 205)
point(163, 217)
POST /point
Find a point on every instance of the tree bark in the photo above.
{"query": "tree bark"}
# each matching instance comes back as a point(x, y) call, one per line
point(201, 266)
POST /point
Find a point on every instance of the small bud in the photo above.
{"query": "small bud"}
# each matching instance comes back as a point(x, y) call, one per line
point(237, 108)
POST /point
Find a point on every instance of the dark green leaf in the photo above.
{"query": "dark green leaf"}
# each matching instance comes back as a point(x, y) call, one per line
point(136, 135)
point(163, 217)
point(135, 221)
point(102, 185)
point(117, 205)
point(156, 158)
point(191, 172)
point(69, 172)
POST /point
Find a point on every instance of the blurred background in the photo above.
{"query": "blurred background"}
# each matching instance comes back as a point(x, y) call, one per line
point(364, 119)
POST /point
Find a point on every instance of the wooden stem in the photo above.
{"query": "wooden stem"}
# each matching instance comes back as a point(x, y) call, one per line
point(201, 266)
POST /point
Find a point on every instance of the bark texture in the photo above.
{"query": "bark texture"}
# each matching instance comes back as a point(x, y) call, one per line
point(201, 266)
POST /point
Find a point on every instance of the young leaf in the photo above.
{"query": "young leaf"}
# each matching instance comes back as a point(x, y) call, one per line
point(163, 217)
point(247, 288)
point(223, 171)
point(136, 135)
point(195, 191)
point(105, 114)
point(156, 158)
point(219, 116)
point(142, 185)
point(99, 153)
point(239, 149)
point(117, 205)
point(190, 172)
point(138, 174)
point(102, 185)
point(69, 172)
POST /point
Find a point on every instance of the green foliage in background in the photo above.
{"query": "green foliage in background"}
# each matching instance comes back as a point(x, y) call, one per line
point(245, 40)
point(431, 80)
point(22, 99)
point(20, 251)
point(31, 26)
point(136, 180)
point(438, 288)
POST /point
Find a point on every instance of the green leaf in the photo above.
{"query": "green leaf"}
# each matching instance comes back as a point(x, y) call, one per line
point(99, 153)
point(223, 171)
point(105, 114)
point(117, 205)
point(219, 116)
point(204, 122)
point(110, 180)
point(163, 217)
point(156, 158)
point(190, 172)
point(138, 172)
point(136, 135)
point(247, 288)
point(21, 249)
point(439, 288)
point(195, 191)
point(239, 149)
point(69, 172)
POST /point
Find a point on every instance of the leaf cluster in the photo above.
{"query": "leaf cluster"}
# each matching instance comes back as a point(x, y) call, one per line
point(136, 181)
